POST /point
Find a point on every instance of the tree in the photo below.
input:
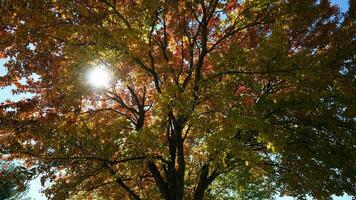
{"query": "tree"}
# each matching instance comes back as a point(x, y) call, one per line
point(13, 181)
point(209, 99)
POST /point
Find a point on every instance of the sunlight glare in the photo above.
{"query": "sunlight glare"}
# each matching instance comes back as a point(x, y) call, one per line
point(99, 77)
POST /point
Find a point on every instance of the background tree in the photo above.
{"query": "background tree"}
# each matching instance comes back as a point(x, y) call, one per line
point(13, 181)
point(209, 99)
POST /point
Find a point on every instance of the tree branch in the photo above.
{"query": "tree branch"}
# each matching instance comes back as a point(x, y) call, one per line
point(162, 185)
point(113, 7)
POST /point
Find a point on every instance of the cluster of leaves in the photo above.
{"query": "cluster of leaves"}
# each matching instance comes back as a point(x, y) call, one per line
point(210, 99)
point(13, 181)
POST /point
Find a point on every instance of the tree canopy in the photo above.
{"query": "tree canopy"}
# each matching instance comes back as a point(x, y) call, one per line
point(208, 99)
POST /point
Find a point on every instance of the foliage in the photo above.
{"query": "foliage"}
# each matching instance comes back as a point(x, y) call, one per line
point(13, 181)
point(209, 99)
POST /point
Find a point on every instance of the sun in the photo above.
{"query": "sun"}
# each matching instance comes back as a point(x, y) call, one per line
point(99, 77)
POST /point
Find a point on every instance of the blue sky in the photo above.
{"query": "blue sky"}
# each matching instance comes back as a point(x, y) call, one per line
point(5, 93)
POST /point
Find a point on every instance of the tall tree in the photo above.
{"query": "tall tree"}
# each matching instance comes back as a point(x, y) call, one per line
point(209, 99)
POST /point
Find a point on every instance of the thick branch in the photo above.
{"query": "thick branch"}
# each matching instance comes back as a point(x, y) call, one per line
point(231, 72)
point(127, 189)
point(199, 192)
point(162, 185)
point(44, 157)
point(204, 181)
